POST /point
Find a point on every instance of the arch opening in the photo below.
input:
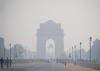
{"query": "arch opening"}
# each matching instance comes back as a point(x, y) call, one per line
point(50, 49)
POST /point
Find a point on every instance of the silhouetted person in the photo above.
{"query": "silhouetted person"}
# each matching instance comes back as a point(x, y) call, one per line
point(65, 64)
point(1, 62)
point(7, 62)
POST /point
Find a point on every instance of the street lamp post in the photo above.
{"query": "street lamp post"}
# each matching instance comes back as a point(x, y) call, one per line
point(10, 53)
point(69, 54)
point(72, 53)
point(10, 50)
point(4, 52)
point(80, 49)
point(75, 53)
point(90, 47)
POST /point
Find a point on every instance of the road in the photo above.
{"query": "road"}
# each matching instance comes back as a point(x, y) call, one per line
point(37, 67)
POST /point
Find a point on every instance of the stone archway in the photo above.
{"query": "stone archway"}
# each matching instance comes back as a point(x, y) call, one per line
point(50, 30)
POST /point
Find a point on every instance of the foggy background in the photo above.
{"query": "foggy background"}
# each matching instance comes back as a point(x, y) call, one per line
point(20, 19)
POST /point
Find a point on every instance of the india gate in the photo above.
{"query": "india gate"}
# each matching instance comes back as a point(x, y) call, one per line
point(50, 30)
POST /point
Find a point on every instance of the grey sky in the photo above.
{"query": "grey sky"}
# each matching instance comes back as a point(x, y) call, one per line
point(20, 19)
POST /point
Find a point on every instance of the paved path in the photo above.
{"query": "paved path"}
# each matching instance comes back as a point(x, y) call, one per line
point(37, 67)
point(73, 67)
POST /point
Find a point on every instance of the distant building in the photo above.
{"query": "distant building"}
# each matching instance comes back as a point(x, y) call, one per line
point(1, 47)
point(83, 54)
point(95, 51)
point(18, 51)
